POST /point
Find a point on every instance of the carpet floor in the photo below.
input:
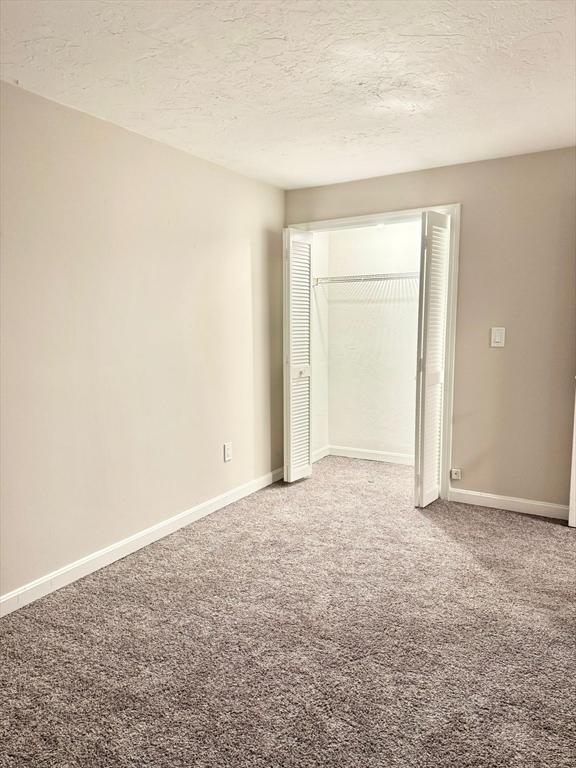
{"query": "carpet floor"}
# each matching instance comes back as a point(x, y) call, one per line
point(325, 624)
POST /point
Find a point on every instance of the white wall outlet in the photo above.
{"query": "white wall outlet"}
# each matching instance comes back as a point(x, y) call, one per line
point(227, 451)
point(497, 337)
point(455, 473)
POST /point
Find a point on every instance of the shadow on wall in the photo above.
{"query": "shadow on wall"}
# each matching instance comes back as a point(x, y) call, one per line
point(525, 383)
point(512, 437)
point(266, 257)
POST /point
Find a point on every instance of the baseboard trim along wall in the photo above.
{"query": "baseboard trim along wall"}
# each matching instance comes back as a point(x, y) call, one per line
point(362, 453)
point(320, 453)
point(93, 562)
point(509, 503)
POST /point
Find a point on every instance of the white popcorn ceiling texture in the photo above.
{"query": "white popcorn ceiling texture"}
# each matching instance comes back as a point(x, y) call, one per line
point(307, 92)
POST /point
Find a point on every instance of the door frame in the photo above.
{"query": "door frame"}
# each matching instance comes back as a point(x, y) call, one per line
point(572, 502)
point(396, 217)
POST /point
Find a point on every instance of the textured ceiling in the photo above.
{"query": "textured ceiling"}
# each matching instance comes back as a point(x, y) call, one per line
point(306, 92)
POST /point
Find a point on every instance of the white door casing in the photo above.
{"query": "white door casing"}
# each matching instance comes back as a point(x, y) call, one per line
point(297, 358)
point(434, 264)
point(572, 503)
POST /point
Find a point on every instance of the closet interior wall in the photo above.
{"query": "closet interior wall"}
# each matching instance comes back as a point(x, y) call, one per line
point(364, 338)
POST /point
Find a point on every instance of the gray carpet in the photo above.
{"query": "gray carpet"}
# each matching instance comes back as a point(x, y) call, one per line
point(322, 624)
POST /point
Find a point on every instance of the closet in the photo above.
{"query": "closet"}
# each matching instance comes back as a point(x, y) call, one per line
point(366, 305)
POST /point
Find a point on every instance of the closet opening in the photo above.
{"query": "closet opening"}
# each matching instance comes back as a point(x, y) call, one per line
point(369, 325)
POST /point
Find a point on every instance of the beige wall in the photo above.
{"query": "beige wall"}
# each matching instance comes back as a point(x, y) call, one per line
point(141, 328)
point(513, 407)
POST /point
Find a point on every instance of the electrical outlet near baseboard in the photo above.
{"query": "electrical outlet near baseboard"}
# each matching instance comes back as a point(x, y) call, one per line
point(455, 473)
point(227, 451)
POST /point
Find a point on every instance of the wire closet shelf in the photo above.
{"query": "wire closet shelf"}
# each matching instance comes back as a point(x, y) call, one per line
point(366, 278)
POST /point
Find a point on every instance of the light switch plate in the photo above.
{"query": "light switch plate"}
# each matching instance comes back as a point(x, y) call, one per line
point(497, 337)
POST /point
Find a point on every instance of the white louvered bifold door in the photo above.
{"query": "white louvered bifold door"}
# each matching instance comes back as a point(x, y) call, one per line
point(431, 346)
point(297, 390)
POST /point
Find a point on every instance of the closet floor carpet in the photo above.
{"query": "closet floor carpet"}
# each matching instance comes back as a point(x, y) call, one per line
point(322, 624)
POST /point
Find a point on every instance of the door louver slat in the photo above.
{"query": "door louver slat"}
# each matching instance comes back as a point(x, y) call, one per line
point(297, 305)
point(431, 345)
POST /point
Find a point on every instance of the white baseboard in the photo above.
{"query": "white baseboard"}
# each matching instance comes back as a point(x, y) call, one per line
point(363, 453)
point(509, 503)
point(93, 562)
point(320, 453)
